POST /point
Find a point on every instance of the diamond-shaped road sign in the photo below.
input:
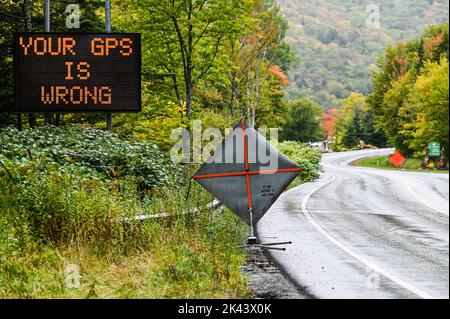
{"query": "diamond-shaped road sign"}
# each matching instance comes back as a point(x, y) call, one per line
point(246, 173)
point(397, 159)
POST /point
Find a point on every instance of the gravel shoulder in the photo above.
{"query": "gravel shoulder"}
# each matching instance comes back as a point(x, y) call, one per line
point(266, 280)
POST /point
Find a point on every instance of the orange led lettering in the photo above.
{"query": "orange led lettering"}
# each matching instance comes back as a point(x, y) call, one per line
point(83, 68)
point(69, 71)
point(80, 95)
point(76, 95)
point(50, 45)
point(47, 98)
point(105, 95)
point(88, 94)
point(61, 93)
point(126, 50)
point(68, 46)
point(97, 47)
point(24, 46)
point(36, 46)
point(110, 43)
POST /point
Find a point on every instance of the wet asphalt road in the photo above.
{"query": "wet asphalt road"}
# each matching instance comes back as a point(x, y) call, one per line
point(364, 233)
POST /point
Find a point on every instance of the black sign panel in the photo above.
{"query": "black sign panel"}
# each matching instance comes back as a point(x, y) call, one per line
point(77, 72)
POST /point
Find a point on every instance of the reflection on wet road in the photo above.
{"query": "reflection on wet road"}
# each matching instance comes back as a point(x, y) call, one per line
point(365, 233)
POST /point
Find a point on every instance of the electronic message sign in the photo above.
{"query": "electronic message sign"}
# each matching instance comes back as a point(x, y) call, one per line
point(77, 72)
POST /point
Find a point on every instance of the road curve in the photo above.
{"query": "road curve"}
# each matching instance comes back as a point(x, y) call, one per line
point(364, 233)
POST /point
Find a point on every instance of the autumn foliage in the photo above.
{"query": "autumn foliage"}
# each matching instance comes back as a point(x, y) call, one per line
point(327, 122)
point(279, 73)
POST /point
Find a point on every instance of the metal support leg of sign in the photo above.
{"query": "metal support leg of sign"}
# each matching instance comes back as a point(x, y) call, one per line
point(109, 122)
point(47, 116)
point(252, 241)
point(19, 121)
point(47, 15)
point(108, 30)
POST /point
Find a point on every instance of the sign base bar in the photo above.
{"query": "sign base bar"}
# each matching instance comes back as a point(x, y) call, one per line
point(253, 242)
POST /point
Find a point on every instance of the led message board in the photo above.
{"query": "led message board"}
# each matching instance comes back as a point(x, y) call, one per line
point(77, 72)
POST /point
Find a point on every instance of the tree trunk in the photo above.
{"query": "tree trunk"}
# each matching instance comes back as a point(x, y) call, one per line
point(189, 64)
point(188, 88)
point(249, 96)
point(57, 119)
point(233, 94)
point(253, 117)
point(241, 108)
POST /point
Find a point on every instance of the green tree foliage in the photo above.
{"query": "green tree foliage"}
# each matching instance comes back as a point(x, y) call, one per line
point(396, 97)
point(185, 38)
point(428, 104)
point(302, 121)
point(206, 56)
point(354, 123)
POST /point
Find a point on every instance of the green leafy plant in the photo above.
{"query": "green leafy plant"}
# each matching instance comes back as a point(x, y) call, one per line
point(91, 153)
point(307, 157)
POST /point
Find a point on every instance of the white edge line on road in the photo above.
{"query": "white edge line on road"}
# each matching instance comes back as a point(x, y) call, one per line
point(352, 253)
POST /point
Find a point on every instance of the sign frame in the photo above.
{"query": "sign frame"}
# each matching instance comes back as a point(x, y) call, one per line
point(78, 109)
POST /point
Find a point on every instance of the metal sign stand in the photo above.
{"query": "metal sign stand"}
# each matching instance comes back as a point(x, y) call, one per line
point(240, 199)
point(252, 240)
point(108, 30)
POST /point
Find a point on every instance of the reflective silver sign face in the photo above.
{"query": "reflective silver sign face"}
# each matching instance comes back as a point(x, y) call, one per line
point(246, 172)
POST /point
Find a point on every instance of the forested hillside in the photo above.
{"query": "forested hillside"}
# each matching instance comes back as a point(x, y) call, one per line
point(338, 50)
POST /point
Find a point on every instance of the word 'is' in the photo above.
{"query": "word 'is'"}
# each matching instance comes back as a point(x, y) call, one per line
point(67, 46)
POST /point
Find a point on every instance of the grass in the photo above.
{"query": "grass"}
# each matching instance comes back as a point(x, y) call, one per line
point(52, 225)
point(382, 162)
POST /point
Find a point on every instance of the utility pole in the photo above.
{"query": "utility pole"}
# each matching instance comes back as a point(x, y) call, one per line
point(108, 30)
point(47, 116)
point(47, 15)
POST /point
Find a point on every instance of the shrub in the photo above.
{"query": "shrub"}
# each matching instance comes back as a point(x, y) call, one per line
point(62, 209)
point(307, 157)
point(94, 154)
